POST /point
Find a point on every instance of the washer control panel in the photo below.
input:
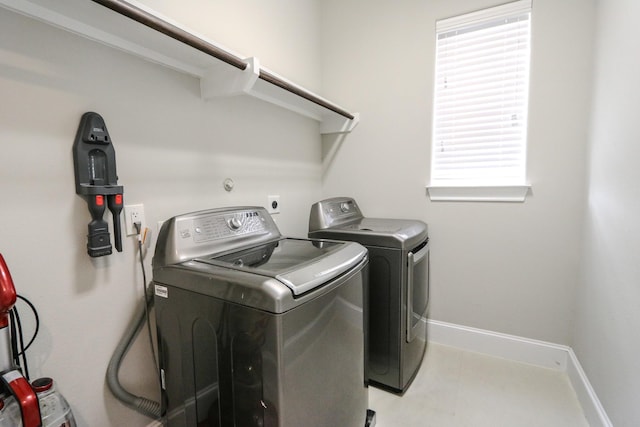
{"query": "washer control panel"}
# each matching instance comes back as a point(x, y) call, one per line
point(223, 226)
point(206, 233)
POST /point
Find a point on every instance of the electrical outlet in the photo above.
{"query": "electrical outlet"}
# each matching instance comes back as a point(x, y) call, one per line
point(273, 204)
point(133, 214)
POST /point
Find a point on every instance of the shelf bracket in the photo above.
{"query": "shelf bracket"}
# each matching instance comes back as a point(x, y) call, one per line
point(225, 80)
point(338, 124)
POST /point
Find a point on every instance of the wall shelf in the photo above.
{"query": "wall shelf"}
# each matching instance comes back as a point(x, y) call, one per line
point(133, 28)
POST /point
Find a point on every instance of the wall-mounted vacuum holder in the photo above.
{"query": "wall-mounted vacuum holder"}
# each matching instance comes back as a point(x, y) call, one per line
point(94, 161)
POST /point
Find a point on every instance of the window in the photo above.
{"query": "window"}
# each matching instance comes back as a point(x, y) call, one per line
point(480, 101)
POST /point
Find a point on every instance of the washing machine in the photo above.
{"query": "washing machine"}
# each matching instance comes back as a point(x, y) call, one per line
point(398, 286)
point(255, 329)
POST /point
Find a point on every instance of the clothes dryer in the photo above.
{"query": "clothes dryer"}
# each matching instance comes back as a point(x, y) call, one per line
point(398, 286)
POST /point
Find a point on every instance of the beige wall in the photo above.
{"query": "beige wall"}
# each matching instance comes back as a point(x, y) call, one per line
point(514, 268)
point(283, 34)
point(173, 152)
point(608, 308)
point(505, 267)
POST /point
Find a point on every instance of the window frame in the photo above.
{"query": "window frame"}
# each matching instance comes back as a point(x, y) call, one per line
point(452, 190)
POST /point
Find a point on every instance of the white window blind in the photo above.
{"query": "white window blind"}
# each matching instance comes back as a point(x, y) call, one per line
point(481, 97)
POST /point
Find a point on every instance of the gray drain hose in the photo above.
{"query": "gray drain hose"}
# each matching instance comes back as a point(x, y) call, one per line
point(140, 404)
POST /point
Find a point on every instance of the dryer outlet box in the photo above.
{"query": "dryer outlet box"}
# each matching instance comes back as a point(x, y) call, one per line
point(273, 204)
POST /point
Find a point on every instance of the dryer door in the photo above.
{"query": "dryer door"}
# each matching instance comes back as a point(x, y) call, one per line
point(417, 288)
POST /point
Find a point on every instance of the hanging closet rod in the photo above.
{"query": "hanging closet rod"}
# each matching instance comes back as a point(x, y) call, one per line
point(151, 21)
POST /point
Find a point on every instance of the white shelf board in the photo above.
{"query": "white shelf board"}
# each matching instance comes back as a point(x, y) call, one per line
point(93, 21)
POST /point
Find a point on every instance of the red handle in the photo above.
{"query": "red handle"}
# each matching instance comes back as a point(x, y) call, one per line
point(26, 398)
point(7, 293)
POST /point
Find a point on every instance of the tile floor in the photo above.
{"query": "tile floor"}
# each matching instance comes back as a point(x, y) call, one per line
point(457, 388)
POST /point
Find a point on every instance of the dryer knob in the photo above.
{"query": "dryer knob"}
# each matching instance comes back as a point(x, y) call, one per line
point(344, 207)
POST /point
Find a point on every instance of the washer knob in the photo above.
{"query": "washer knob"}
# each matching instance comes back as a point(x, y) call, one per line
point(344, 207)
point(234, 223)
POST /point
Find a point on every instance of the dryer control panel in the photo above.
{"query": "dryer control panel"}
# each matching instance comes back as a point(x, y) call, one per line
point(334, 212)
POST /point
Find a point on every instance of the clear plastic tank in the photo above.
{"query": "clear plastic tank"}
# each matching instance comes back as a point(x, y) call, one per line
point(9, 412)
point(54, 409)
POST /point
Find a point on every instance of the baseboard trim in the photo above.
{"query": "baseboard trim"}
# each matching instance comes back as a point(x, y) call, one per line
point(539, 353)
point(525, 350)
point(591, 405)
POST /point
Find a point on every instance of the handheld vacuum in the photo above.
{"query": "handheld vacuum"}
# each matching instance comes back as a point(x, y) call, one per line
point(24, 404)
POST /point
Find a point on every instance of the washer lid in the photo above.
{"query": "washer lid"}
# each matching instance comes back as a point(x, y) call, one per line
point(300, 264)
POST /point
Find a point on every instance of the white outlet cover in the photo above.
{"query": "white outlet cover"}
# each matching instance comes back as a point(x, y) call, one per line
point(270, 204)
point(129, 211)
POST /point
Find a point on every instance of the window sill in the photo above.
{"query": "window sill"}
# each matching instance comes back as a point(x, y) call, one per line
point(506, 193)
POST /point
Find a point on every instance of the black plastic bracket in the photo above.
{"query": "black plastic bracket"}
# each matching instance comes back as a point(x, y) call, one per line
point(94, 161)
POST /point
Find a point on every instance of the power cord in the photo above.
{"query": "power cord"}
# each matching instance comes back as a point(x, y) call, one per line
point(141, 238)
point(17, 337)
